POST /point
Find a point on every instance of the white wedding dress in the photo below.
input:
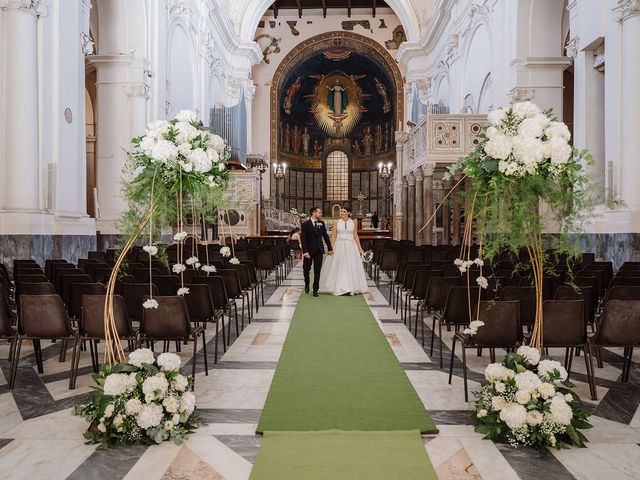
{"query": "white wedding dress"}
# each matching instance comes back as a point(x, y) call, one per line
point(343, 272)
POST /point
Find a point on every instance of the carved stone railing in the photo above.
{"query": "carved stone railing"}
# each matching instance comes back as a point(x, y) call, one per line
point(279, 219)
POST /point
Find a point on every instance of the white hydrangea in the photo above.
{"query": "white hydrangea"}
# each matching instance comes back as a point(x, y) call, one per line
point(509, 168)
point(494, 372)
point(225, 251)
point(188, 402)
point(140, 356)
point(133, 406)
point(499, 146)
point(171, 404)
point(116, 384)
point(200, 161)
point(491, 132)
point(151, 303)
point(217, 143)
point(532, 355)
point(180, 383)
point(191, 260)
point(497, 116)
point(558, 150)
point(164, 151)
point(558, 130)
point(525, 109)
point(534, 418)
point(147, 144)
point(169, 361)
point(213, 155)
point(184, 149)
point(157, 129)
point(155, 388)
point(186, 132)
point(514, 415)
point(508, 374)
point(188, 116)
point(528, 381)
point(545, 367)
point(186, 166)
point(149, 415)
point(529, 151)
point(547, 390)
point(532, 127)
point(182, 291)
point(523, 397)
point(560, 411)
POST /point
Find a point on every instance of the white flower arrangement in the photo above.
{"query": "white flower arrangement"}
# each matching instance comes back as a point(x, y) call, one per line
point(464, 265)
point(180, 236)
point(179, 268)
point(225, 252)
point(527, 401)
point(482, 282)
point(182, 291)
point(145, 401)
point(209, 269)
point(234, 261)
point(191, 261)
point(472, 329)
point(151, 249)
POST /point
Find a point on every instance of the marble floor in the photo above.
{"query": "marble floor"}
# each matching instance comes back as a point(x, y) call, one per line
point(40, 439)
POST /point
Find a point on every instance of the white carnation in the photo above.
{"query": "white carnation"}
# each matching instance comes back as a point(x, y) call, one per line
point(108, 410)
point(116, 384)
point(169, 361)
point(508, 374)
point(560, 411)
point(164, 151)
point(155, 388)
point(149, 416)
point(528, 381)
point(499, 146)
point(500, 387)
point(532, 355)
point(514, 415)
point(102, 427)
point(140, 356)
point(547, 390)
point(151, 303)
point(179, 268)
point(168, 425)
point(118, 420)
point(188, 402)
point(545, 367)
point(494, 372)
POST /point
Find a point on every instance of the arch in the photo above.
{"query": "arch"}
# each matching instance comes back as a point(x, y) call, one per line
point(443, 92)
point(337, 154)
point(252, 12)
point(477, 47)
point(485, 100)
point(539, 28)
point(322, 42)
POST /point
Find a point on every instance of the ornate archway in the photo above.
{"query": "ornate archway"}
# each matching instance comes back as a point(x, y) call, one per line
point(331, 41)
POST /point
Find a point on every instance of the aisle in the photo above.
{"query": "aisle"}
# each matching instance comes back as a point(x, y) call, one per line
point(340, 404)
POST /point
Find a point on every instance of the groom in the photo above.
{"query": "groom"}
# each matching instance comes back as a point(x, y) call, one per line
point(312, 234)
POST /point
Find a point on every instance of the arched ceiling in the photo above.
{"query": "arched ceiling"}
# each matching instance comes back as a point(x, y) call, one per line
point(413, 14)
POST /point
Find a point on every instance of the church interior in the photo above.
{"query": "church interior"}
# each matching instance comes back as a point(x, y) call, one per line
point(327, 104)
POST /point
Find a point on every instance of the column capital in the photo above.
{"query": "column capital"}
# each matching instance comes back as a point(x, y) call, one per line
point(411, 179)
point(401, 138)
point(428, 169)
point(34, 7)
point(626, 9)
point(419, 175)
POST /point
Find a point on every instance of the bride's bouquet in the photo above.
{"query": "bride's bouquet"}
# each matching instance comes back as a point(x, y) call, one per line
point(367, 256)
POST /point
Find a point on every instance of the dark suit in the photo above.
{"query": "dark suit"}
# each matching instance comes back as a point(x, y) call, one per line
point(375, 220)
point(312, 243)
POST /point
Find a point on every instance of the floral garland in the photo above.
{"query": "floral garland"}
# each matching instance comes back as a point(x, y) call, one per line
point(144, 401)
point(526, 400)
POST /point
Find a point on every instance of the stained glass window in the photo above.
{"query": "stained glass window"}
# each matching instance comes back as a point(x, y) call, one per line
point(337, 176)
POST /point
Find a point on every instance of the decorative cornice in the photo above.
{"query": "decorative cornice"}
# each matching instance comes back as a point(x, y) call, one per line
point(34, 7)
point(626, 9)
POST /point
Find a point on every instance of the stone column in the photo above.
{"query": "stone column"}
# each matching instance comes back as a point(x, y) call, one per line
point(399, 218)
point(628, 14)
point(427, 193)
point(419, 207)
point(21, 191)
point(411, 209)
point(405, 209)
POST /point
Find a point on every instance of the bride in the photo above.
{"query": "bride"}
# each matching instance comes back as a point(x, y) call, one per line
point(343, 272)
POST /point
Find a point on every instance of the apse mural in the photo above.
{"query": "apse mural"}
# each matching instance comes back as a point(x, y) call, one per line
point(337, 99)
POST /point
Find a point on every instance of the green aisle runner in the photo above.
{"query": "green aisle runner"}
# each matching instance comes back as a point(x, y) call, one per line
point(340, 404)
